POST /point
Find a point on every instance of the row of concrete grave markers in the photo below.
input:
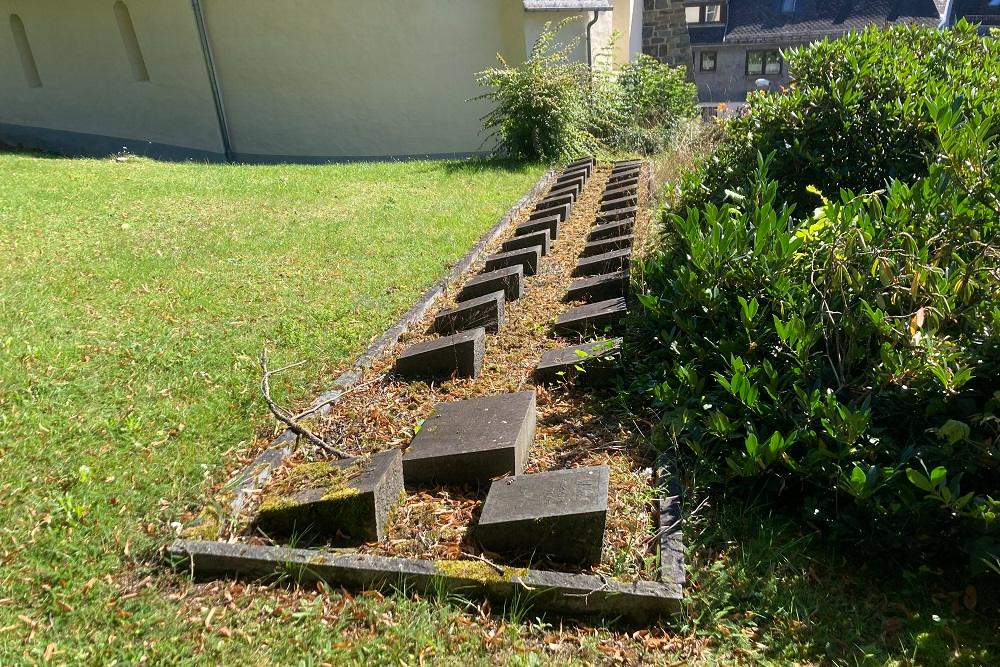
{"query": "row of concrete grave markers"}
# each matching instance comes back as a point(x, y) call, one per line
point(558, 515)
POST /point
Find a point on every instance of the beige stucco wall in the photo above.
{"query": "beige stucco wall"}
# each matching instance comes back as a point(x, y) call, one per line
point(600, 33)
point(87, 82)
point(627, 23)
point(352, 78)
point(312, 79)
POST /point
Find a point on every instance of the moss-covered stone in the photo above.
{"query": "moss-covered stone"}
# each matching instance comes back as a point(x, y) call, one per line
point(478, 570)
point(342, 502)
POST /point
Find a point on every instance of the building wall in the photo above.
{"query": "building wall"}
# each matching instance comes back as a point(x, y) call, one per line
point(730, 82)
point(627, 26)
point(305, 80)
point(354, 78)
point(665, 33)
point(600, 33)
point(89, 100)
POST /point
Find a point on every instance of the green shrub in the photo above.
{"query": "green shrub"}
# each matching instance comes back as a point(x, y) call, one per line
point(846, 358)
point(551, 108)
point(853, 116)
point(540, 110)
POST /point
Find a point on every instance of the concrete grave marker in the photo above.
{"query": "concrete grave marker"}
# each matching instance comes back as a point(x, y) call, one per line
point(609, 262)
point(620, 203)
point(526, 257)
point(599, 288)
point(573, 175)
point(621, 189)
point(551, 224)
point(460, 354)
point(484, 311)
point(623, 177)
point(346, 501)
point(558, 515)
point(572, 190)
point(551, 200)
point(618, 214)
point(539, 238)
point(593, 316)
point(607, 245)
point(610, 230)
point(472, 441)
point(509, 280)
point(597, 359)
point(540, 213)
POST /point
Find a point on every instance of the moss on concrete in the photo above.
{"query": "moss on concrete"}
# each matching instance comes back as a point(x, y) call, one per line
point(478, 570)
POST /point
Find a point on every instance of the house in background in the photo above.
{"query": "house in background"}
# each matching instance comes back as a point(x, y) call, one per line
point(984, 12)
point(267, 80)
point(737, 44)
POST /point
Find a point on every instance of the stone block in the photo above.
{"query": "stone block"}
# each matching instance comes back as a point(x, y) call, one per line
point(611, 230)
point(550, 200)
point(509, 280)
point(539, 238)
point(626, 213)
point(346, 502)
point(609, 262)
point(569, 190)
point(528, 258)
point(586, 159)
point(458, 355)
point(593, 316)
point(547, 212)
point(618, 193)
point(629, 185)
point(621, 202)
point(607, 245)
point(622, 177)
point(472, 441)
point(550, 224)
point(484, 311)
point(599, 288)
point(559, 515)
point(597, 361)
point(625, 165)
point(579, 176)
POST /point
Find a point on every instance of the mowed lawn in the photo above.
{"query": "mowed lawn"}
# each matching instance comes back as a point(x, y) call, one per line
point(135, 297)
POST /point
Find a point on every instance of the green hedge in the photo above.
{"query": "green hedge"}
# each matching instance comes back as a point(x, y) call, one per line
point(847, 356)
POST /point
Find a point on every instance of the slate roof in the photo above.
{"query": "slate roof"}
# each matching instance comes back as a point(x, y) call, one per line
point(567, 5)
point(761, 21)
point(706, 34)
point(976, 11)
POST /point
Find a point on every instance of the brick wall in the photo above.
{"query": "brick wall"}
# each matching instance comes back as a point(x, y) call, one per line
point(664, 32)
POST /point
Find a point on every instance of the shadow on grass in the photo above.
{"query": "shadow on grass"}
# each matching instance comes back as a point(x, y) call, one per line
point(764, 585)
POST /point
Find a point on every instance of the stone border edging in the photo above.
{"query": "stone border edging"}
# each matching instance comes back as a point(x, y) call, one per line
point(256, 474)
point(579, 594)
point(669, 521)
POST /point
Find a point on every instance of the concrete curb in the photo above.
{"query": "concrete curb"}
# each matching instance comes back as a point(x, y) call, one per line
point(671, 536)
point(255, 475)
point(576, 594)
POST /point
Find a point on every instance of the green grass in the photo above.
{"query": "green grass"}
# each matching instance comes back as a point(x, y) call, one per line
point(134, 299)
point(766, 590)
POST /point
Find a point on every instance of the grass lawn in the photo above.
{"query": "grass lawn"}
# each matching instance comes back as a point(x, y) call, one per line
point(134, 299)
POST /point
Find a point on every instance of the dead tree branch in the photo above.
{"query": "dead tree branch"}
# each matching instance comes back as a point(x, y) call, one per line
point(284, 416)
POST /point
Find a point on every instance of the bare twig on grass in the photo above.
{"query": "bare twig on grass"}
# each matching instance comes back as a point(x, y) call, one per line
point(284, 416)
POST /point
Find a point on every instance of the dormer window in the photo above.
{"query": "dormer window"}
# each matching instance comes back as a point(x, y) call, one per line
point(787, 6)
point(708, 13)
